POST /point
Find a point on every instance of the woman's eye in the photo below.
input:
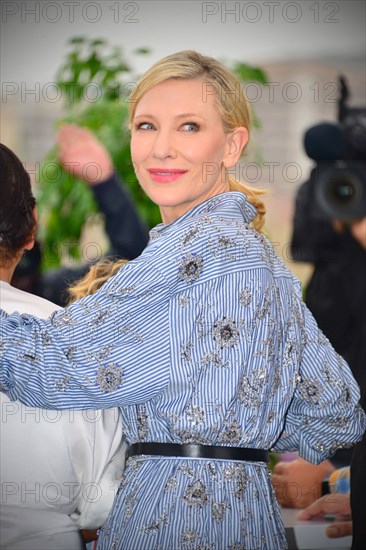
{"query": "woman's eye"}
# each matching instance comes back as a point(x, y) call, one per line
point(144, 126)
point(190, 127)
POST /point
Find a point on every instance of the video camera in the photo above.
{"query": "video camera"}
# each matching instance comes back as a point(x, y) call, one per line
point(340, 153)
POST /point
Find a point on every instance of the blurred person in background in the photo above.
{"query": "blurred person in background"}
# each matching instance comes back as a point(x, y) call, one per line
point(59, 473)
point(329, 231)
point(127, 233)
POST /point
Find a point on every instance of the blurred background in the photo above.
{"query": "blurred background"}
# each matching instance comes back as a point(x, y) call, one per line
point(302, 47)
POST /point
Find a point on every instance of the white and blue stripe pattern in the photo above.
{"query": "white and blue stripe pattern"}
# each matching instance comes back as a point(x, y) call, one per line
point(202, 339)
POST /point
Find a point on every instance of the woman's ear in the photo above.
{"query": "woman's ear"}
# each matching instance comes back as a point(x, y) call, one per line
point(30, 243)
point(237, 140)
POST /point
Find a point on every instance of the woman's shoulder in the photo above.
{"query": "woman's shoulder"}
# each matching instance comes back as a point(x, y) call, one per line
point(212, 244)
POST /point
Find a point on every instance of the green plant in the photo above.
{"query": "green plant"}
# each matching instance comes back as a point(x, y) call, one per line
point(95, 86)
point(95, 82)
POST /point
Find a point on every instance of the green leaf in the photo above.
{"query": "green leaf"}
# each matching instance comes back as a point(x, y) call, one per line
point(97, 42)
point(142, 51)
point(77, 40)
point(247, 73)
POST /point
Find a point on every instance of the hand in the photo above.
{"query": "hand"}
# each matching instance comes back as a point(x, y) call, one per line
point(83, 155)
point(358, 231)
point(338, 504)
point(298, 483)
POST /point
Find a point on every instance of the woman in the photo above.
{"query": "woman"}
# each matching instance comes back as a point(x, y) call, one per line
point(59, 470)
point(203, 341)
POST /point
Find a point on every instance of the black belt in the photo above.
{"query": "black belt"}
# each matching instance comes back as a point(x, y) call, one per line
point(198, 451)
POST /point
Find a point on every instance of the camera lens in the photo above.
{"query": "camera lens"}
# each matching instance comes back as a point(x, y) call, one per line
point(341, 192)
point(342, 189)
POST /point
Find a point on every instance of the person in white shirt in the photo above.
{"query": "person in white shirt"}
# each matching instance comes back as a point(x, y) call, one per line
point(59, 470)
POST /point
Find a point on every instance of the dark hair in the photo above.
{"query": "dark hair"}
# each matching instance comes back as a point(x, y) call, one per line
point(17, 221)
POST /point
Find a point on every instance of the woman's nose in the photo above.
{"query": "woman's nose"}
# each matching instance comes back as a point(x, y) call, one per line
point(163, 145)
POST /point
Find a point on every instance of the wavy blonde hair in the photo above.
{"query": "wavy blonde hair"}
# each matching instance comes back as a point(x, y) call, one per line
point(231, 101)
point(97, 275)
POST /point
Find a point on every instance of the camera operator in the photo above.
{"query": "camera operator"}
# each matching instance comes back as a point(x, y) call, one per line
point(329, 231)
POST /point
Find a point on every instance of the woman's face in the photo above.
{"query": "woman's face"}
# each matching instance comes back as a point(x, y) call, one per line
point(179, 147)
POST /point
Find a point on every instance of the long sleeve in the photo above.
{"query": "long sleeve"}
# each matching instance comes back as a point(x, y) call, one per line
point(126, 231)
point(106, 349)
point(325, 403)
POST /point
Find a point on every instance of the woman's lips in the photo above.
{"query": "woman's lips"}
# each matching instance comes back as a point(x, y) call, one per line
point(166, 174)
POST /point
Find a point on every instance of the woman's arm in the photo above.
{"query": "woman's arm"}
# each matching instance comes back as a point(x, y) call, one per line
point(325, 413)
point(109, 348)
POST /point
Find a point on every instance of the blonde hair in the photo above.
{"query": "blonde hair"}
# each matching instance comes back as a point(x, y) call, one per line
point(97, 275)
point(231, 101)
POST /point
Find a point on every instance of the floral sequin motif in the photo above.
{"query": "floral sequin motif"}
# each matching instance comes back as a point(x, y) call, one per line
point(250, 389)
point(196, 415)
point(142, 423)
point(218, 510)
point(225, 242)
point(192, 438)
point(70, 353)
point(185, 351)
point(266, 251)
point(60, 319)
point(131, 502)
point(245, 297)
point(171, 484)
point(191, 235)
point(99, 318)
point(331, 447)
point(46, 338)
point(311, 390)
point(126, 290)
point(116, 543)
point(341, 423)
point(153, 527)
point(242, 480)
point(346, 396)
point(229, 472)
point(63, 384)
point(183, 301)
point(290, 354)
point(190, 268)
point(101, 354)
point(109, 377)
point(186, 470)
point(232, 433)
point(213, 358)
point(262, 309)
point(196, 495)
point(189, 537)
point(226, 333)
point(28, 356)
point(223, 245)
point(127, 329)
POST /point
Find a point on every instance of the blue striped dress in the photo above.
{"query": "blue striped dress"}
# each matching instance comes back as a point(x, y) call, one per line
point(202, 339)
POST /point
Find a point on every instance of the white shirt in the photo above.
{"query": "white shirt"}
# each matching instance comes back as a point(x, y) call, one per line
point(59, 469)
